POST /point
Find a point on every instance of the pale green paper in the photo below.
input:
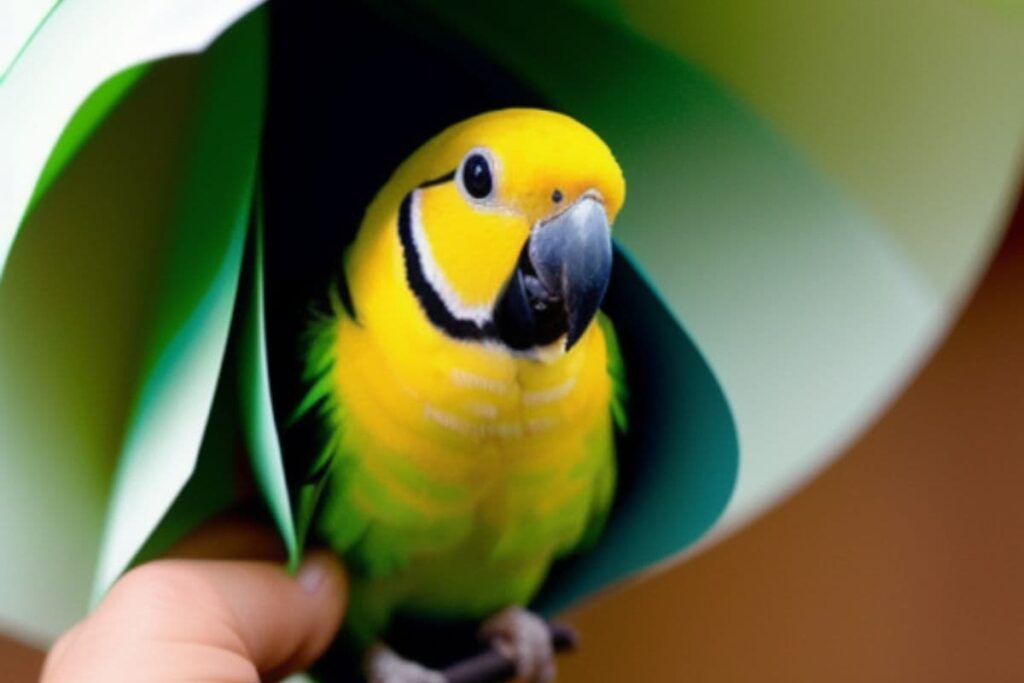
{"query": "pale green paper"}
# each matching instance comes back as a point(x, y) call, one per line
point(70, 351)
point(212, 487)
point(257, 412)
point(81, 44)
point(193, 310)
point(917, 109)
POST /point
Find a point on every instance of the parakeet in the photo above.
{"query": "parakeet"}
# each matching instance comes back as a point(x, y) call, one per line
point(468, 387)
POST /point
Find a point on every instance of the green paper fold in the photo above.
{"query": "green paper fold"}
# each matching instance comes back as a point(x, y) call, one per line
point(257, 412)
point(89, 115)
point(63, 55)
point(75, 306)
point(196, 295)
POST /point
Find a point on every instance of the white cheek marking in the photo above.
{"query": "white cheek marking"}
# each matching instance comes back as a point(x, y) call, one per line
point(435, 276)
point(541, 396)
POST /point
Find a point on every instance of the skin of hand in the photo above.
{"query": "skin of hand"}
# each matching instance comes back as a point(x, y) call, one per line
point(193, 618)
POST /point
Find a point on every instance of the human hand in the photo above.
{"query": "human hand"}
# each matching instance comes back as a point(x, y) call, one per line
point(198, 619)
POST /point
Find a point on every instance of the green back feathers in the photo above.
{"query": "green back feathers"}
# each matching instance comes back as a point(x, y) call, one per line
point(321, 405)
point(617, 371)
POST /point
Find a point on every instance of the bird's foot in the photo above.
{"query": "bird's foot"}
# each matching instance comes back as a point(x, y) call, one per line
point(384, 665)
point(524, 639)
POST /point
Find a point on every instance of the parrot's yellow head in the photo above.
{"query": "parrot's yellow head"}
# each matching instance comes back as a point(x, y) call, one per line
point(504, 227)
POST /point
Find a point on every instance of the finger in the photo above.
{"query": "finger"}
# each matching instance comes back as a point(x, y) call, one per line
point(203, 615)
point(292, 620)
point(281, 623)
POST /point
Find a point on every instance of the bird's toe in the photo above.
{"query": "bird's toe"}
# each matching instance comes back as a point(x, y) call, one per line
point(384, 665)
point(524, 638)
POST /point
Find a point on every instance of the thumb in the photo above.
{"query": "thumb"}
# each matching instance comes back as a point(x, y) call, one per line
point(191, 620)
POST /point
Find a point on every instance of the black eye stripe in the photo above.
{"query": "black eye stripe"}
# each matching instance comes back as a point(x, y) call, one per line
point(440, 180)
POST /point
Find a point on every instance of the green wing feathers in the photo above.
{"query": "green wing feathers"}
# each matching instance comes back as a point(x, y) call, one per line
point(617, 372)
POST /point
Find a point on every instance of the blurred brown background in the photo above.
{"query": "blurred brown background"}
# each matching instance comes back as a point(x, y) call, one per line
point(901, 562)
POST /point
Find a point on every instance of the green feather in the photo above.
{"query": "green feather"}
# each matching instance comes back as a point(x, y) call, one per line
point(617, 371)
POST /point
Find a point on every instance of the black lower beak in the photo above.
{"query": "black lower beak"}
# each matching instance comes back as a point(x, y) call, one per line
point(560, 280)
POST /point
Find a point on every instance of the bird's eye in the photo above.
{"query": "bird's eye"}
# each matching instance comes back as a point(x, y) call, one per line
point(476, 176)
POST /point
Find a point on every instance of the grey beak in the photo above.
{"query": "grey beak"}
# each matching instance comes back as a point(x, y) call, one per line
point(561, 279)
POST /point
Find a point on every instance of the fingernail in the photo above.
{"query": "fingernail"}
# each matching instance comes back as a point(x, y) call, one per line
point(312, 574)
